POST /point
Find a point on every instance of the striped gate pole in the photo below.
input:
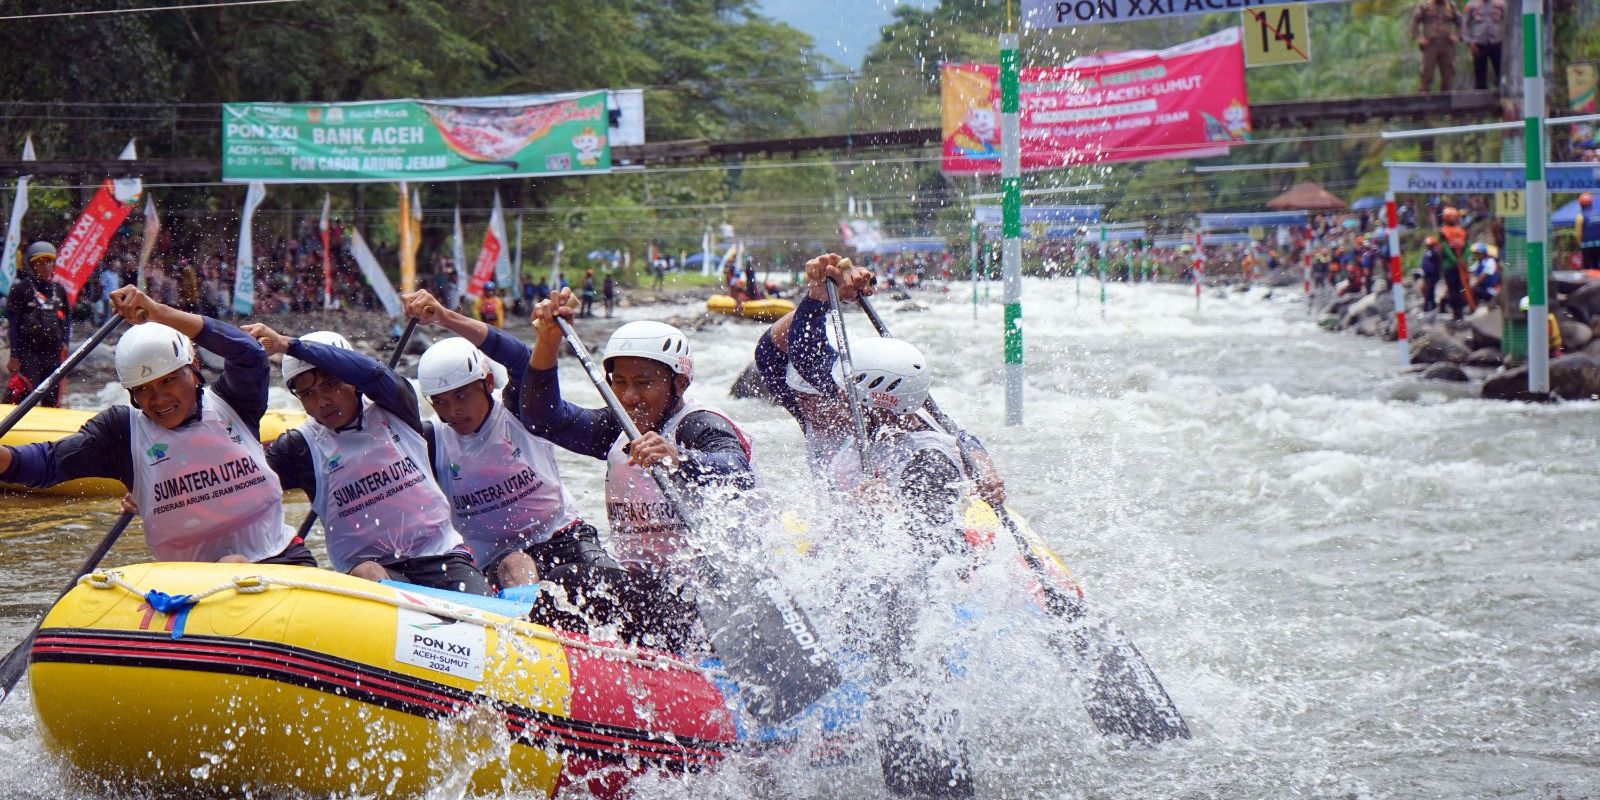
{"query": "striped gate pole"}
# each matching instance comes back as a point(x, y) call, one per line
point(1011, 223)
point(1104, 257)
point(1199, 266)
point(974, 266)
point(1536, 200)
point(1305, 264)
point(1397, 289)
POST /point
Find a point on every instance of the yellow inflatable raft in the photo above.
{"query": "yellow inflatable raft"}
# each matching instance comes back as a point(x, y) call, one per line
point(766, 310)
point(50, 424)
point(288, 679)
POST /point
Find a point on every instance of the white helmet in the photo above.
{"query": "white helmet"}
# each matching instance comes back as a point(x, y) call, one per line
point(294, 367)
point(889, 374)
point(149, 351)
point(450, 364)
point(656, 341)
point(798, 382)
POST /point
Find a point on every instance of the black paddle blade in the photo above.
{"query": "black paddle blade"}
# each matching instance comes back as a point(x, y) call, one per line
point(1122, 694)
point(912, 768)
point(767, 644)
point(16, 663)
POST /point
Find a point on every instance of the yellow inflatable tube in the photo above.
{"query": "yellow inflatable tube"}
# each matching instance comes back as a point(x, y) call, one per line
point(290, 679)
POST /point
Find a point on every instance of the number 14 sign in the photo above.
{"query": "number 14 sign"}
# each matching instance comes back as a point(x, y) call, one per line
point(1276, 35)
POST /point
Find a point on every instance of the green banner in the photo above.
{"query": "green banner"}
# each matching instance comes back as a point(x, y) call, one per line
point(415, 140)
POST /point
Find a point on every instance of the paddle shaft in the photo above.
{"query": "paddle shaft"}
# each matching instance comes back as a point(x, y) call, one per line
point(394, 358)
point(16, 661)
point(851, 390)
point(38, 393)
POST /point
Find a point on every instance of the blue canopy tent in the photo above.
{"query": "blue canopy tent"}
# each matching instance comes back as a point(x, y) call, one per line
point(1565, 216)
point(921, 244)
point(694, 260)
point(1367, 203)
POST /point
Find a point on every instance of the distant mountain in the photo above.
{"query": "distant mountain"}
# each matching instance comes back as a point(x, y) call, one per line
point(843, 29)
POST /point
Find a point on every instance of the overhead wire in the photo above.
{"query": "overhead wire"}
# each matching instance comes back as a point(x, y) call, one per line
point(105, 11)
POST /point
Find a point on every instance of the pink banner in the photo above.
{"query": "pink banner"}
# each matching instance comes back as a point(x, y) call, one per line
point(87, 240)
point(1184, 102)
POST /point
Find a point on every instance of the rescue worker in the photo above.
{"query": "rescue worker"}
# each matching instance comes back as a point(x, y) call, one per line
point(1588, 229)
point(363, 461)
point(1432, 265)
point(1453, 237)
point(39, 321)
point(505, 490)
point(189, 453)
point(492, 310)
point(649, 365)
point(1485, 273)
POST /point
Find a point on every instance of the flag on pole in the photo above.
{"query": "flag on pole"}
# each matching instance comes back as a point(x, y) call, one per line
point(381, 287)
point(86, 242)
point(410, 236)
point(19, 208)
point(327, 253)
point(152, 230)
point(244, 276)
point(516, 266)
point(458, 253)
point(494, 263)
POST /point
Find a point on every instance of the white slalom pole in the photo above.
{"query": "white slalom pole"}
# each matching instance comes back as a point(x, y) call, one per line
point(1397, 289)
point(1105, 256)
point(1199, 265)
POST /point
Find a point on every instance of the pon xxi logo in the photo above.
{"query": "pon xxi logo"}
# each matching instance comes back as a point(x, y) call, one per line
point(455, 472)
point(157, 453)
point(333, 462)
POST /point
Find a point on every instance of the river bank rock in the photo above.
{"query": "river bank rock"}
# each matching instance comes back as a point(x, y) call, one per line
point(1484, 325)
point(1444, 371)
point(1592, 348)
point(1587, 298)
point(1575, 335)
point(1572, 377)
point(1433, 345)
point(1484, 357)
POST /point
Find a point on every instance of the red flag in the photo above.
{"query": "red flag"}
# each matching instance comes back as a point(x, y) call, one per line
point(87, 241)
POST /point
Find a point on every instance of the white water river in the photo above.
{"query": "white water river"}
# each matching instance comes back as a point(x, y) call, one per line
point(1352, 584)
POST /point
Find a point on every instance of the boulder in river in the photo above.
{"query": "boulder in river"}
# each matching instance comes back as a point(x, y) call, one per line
point(1444, 371)
point(1485, 324)
point(1434, 345)
point(1484, 357)
point(1575, 335)
point(1572, 377)
point(1587, 298)
point(1592, 348)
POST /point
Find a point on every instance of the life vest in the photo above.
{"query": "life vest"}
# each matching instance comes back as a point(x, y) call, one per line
point(204, 490)
point(503, 483)
point(1588, 228)
point(44, 321)
point(646, 530)
point(374, 495)
point(889, 453)
point(1455, 240)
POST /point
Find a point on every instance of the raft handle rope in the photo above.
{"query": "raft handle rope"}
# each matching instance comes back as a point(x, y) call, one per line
point(255, 584)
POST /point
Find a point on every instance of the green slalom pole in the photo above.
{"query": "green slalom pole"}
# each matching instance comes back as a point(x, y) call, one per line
point(1104, 257)
point(1011, 223)
point(1536, 202)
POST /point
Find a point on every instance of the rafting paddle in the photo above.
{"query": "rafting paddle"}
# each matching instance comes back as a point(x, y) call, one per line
point(766, 642)
point(16, 661)
point(394, 358)
point(1125, 697)
point(78, 355)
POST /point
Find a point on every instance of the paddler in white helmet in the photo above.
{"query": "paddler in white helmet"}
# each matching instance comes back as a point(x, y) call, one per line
point(505, 489)
point(189, 453)
point(362, 460)
point(810, 375)
point(649, 366)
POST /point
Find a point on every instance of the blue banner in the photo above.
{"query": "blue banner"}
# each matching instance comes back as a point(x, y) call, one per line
point(1266, 219)
point(1415, 178)
point(1073, 13)
point(990, 215)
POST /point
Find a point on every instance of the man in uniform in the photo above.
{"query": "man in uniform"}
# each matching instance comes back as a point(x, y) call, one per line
point(39, 321)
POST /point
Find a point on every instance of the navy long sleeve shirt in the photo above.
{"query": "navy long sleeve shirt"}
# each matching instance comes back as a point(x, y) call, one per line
point(101, 449)
point(290, 456)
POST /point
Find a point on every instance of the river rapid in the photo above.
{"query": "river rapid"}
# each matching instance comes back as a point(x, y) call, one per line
point(1352, 583)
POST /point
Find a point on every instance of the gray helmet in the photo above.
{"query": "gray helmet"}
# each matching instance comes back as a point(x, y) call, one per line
point(40, 249)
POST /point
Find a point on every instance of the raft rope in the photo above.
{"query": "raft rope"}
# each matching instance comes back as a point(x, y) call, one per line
point(180, 605)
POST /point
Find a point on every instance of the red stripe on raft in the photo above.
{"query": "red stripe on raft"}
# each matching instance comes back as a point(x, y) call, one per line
point(604, 691)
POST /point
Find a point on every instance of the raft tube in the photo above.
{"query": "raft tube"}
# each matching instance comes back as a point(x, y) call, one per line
point(766, 310)
point(292, 679)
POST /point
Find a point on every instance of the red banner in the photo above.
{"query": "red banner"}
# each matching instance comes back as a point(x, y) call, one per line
point(87, 241)
point(1184, 102)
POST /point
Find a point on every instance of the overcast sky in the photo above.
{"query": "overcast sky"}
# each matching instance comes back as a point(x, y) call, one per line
point(843, 29)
